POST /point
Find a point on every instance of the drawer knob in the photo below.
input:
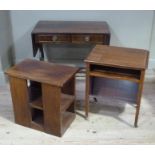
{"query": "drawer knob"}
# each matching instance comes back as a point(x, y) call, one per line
point(54, 38)
point(87, 38)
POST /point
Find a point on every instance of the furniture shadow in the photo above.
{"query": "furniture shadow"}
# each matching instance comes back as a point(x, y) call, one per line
point(149, 97)
point(69, 54)
point(113, 98)
point(106, 108)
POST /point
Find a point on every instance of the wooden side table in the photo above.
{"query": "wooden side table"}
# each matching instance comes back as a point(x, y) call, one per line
point(116, 63)
point(43, 95)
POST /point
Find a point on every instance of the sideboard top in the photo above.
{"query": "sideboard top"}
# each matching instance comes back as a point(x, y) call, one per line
point(73, 27)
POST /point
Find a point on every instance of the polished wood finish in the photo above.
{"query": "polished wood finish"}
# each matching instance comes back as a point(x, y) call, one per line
point(129, 58)
point(52, 38)
point(45, 72)
point(52, 111)
point(66, 100)
point(68, 27)
point(79, 32)
point(43, 95)
point(20, 99)
point(140, 90)
point(93, 38)
point(116, 63)
point(67, 118)
point(113, 75)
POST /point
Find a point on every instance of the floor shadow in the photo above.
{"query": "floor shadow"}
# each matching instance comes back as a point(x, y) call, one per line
point(105, 110)
point(148, 93)
point(80, 114)
point(69, 54)
point(111, 105)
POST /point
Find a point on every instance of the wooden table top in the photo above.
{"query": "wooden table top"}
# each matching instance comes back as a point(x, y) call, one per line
point(73, 27)
point(43, 72)
point(119, 57)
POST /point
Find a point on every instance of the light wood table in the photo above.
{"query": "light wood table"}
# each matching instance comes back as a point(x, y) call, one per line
point(114, 65)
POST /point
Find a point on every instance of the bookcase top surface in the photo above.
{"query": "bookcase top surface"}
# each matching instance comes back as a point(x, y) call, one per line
point(43, 72)
point(119, 57)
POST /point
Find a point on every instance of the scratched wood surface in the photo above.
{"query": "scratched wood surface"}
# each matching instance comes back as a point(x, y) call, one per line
point(43, 72)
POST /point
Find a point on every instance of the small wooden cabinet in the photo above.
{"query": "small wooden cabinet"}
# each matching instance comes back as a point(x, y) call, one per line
point(116, 72)
point(43, 95)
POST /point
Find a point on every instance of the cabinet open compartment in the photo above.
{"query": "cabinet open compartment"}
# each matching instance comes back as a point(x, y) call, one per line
point(35, 102)
point(37, 107)
point(35, 95)
point(67, 119)
point(66, 100)
point(37, 119)
point(114, 89)
point(115, 73)
point(34, 91)
point(67, 113)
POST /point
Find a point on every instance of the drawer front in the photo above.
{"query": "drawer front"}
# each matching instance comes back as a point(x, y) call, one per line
point(93, 38)
point(53, 38)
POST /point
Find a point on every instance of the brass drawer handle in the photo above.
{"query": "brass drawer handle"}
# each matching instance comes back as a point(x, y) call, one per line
point(87, 38)
point(54, 38)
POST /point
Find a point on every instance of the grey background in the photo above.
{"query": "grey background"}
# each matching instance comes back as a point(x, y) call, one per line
point(128, 29)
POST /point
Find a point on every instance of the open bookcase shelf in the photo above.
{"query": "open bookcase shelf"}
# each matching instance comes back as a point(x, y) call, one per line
point(66, 101)
point(37, 103)
point(37, 107)
point(67, 118)
point(37, 119)
point(43, 95)
point(115, 73)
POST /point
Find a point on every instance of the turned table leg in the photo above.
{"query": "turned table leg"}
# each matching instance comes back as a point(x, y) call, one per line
point(41, 53)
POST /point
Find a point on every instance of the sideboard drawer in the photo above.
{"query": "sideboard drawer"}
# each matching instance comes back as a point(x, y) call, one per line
point(53, 38)
point(90, 38)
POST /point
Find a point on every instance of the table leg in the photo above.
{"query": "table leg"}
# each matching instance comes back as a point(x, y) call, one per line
point(140, 90)
point(91, 88)
point(95, 99)
point(87, 91)
point(41, 53)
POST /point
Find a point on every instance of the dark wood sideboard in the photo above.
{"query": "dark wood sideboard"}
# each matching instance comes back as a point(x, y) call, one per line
point(78, 32)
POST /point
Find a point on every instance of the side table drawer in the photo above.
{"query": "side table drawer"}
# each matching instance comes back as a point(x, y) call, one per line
point(52, 38)
point(90, 38)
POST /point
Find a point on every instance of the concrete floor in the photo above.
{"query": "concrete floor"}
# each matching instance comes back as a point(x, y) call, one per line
point(110, 122)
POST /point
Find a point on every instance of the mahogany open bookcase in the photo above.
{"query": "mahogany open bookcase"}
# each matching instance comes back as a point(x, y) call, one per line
point(43, 95)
